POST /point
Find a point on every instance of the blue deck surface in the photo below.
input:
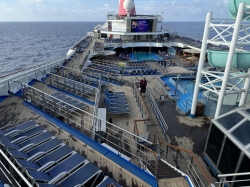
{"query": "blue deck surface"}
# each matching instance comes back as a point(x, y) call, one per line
point(3, 97)
point(151, 180)
point(1, 184)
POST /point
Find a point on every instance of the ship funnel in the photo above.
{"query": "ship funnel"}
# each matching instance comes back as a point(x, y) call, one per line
point(126, 7)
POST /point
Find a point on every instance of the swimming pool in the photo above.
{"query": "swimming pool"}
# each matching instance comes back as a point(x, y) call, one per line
point(143, 56)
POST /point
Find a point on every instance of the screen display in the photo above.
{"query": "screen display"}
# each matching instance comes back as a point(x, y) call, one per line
point(138, 25)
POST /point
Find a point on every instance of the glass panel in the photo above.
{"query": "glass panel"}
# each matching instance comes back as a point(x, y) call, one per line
point(229, 158)
point(244, 167)
point(242, 133)
point(214, 143)
point(247, 111)
point(230, 120)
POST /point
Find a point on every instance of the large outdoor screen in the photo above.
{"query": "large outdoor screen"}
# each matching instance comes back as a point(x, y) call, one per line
point(139, 25)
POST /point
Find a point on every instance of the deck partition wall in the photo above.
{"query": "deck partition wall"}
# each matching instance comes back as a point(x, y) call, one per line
point(227, 148)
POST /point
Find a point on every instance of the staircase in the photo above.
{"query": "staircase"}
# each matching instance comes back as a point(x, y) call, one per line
point(163, 171)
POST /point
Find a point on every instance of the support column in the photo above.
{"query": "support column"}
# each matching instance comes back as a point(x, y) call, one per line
point(201, 63)
point(233, 44)
point(244, 95)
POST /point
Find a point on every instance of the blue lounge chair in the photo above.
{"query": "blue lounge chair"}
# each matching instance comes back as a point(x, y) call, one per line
point(115, 101)
point(25, 164)
point(67, 165)
point(18, 129)
point(38, 151)
point(31, 132)
point(38, 184)
point(56, 155)
point(46, 147)
point(82, 176)
point(115, 97)
point(52, 177)
point(46, 161)
point(37, 139)
point(110, 93)
point(28, 144)
point(24, 135)
point(106, 181)
point(8, 144)
point(117, 110)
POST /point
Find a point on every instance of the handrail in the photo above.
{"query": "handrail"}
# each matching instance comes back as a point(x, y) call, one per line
point(147, 115)
point(15, 168)
point(157, 112)
point(191, 153)
point(233, 174)
point(223, 177)
point(143, 106)
point(39, 65)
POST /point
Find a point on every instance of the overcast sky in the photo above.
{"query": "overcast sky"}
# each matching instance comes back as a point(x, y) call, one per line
point(95, 10)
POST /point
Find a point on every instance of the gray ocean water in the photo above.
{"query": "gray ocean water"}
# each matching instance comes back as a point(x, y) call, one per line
point(25, 44)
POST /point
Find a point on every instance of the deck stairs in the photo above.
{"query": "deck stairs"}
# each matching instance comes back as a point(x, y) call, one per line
point(163, 170)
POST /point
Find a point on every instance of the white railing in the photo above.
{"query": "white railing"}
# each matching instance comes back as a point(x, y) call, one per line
point(157, 112)
point(11, 170)
point(123, 141)
point(223, 178)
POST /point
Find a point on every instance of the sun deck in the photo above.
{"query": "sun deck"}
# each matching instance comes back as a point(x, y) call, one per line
point(125, 131)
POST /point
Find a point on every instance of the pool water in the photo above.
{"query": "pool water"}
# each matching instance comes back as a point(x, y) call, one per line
point(145, 56)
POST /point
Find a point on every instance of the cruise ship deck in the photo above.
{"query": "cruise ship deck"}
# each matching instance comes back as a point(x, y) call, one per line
point(137, 137)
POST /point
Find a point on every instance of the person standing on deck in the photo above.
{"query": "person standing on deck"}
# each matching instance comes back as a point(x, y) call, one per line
point(143, 86)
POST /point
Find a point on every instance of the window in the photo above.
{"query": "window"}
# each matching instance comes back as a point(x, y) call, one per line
point(230, 120)
point(242, 133)
point(229, 158)
point(214, 143)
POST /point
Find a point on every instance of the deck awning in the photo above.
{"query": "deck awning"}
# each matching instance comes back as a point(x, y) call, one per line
point(142, 44)
point(192, 51)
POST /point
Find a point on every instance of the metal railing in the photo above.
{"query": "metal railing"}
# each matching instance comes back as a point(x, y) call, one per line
point(123, 141)
point(184, 160)
point(84, 75)
point(157, 112)
point(143, 109)
point(61, 83)
point(224, 182)
point(33, 68)
point(11, 172)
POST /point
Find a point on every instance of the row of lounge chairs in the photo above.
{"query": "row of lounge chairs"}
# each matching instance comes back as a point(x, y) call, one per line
point(113, 40)
point(166, 63)
point(116, 102)
point(46, 161)
point(62, 103)
point(102, 63)
point(137, 65)
point(86, 80)
point(142, 71)
point(137, 62)
point(76, 87)
point(105, 68)
point(104, 76)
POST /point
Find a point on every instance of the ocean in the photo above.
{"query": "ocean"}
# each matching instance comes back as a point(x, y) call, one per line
point(25, 44)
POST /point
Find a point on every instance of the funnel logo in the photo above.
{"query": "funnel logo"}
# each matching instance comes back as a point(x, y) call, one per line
point(125, 6)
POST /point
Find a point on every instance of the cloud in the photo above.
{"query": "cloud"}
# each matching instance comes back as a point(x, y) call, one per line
point(9, 10)
point(90, 10)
